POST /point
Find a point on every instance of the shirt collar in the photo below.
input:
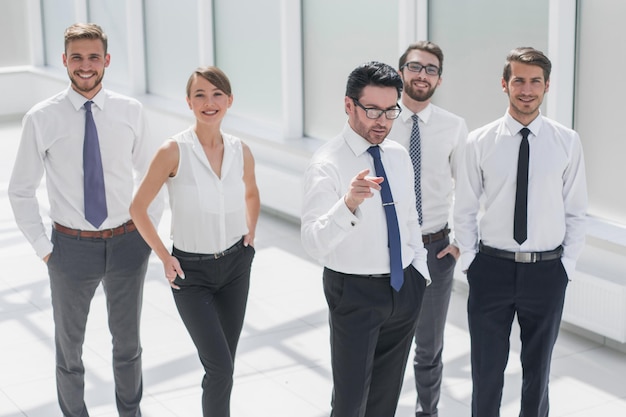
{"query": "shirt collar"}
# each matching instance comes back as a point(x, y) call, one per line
point(514, 126)
point(358, 144)
point(78, 101)
point(407, 114)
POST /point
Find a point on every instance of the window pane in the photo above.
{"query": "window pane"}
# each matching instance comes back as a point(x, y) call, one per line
point(111, 16)
point(171, 45)
point(475, 37)
point(599, 107)
point(248, 50)
point(14, 36)
point(57, 16)
point(337, 37)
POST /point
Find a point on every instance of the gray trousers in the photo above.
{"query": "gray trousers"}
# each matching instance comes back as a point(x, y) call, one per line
point(427, 364)
point(76, 268)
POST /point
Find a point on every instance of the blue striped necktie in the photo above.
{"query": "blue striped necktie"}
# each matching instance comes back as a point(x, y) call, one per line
point(393, 232)
point(93, 175)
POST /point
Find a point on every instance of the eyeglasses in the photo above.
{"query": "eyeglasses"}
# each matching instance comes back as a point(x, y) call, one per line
point(372, 113)
point(417, 67)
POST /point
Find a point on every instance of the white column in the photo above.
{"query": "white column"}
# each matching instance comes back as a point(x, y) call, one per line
point(136, 47)
point(291, 69)
point(206, 53)
point(562, 53)
point(412, 23)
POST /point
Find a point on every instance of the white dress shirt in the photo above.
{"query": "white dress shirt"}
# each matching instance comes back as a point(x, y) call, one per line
point(442, 135)
point(52, 143)
point(208, 212)
point(357, 243)
point(557, 190)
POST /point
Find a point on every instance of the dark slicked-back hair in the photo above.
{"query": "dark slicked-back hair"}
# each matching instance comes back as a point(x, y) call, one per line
point(426, 46)
point(86, 31)
point(530, 56)
point(372, 73)
point(214, 75)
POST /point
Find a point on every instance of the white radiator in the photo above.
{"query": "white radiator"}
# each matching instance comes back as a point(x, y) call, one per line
point(596, 297)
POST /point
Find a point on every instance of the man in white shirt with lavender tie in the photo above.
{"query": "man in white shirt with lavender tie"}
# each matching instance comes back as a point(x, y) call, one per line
point(526, 175)
point(438, 136)
point(86, 249)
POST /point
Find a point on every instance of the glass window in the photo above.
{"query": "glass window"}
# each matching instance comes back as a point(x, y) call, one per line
point(475, 37)
point(248, 50)
point(57, 16)
point(337, 37)
point(172, 51)
point(14, 36)
point(111, 16)
point(599, 106)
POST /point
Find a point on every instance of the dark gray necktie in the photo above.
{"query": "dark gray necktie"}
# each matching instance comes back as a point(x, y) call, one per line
point(415, 151)
point(520, 232)
point(93, 175)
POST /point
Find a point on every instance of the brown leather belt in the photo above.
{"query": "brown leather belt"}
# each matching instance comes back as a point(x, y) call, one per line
point(127, 227)
point(437, 236)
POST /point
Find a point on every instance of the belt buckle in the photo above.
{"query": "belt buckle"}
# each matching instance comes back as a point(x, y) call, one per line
point(218, 255)
point(525, 257)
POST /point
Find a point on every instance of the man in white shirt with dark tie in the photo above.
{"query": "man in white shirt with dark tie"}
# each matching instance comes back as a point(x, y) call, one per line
point(440, 136)
point(87, 249)
point(346, 225)
point(526, 175)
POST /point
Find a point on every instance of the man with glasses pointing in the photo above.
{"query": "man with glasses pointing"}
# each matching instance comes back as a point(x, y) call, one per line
point(359, 220)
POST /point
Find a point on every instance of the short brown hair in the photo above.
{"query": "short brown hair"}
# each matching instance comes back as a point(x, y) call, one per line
point(214, 75)
point(530, 56)
point(426, 46)
point(86, 31)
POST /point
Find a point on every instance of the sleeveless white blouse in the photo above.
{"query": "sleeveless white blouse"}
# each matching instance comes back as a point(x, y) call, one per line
point(208, 212)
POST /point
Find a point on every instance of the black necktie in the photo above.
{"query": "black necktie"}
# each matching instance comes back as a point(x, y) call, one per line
point(393, 232)
point(93, 175)
point(521, 195)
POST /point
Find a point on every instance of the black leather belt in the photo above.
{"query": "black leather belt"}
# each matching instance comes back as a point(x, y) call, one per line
point(437, 236)
point(364, 276)
point(186, 256)
point(522, 257)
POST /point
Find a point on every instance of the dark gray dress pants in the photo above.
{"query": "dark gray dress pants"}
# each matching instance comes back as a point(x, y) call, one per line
point(76, 268)
point(428, 364)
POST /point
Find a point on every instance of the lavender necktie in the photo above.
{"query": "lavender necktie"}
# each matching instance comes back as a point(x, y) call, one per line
point(393, 231)
point(415, 151)
point(521, 193)
point(93, 176)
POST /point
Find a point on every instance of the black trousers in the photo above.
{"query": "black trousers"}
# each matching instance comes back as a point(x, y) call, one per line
point(498, 290)
point(212, 303)
point(371, 331)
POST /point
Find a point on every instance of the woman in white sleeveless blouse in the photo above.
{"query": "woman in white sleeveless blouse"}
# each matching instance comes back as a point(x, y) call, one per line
point(215, 207)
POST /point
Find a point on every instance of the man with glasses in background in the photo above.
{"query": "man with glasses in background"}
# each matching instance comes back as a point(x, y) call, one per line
point(434, 138)
point(359, 220)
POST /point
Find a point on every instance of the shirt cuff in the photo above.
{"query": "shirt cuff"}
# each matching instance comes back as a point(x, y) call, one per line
point(570, 267)
point(43, 247)
point(466, 260)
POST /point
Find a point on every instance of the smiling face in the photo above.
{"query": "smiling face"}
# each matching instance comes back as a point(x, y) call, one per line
point(377, 97)
point(85, 61)
point(209, 103)
point(526, 88)
point(419, 86)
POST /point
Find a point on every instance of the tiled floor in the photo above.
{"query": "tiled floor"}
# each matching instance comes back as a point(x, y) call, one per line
point(283, 361)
